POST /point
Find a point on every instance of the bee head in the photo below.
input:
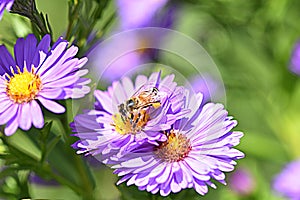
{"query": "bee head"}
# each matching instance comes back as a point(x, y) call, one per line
point(155, 90)
point(130, 103)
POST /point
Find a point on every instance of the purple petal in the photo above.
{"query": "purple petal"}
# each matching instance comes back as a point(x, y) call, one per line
point(46, 70)
point(18, 52)
point(51, 93)
point(105, 100)
point(36, 114)
point(6, 61)
point(165, 174)
point(5, 103)
point(140, 81)
point(25, 116)
point(51, 105)
point(11, 126)
point(200, 187)
point(174, 186)
point(29, 50)
point(43, 46)
point(8, 113)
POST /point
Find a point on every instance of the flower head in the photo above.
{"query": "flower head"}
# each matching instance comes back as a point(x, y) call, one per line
point(287, 183)
point(37, 74)
point(5, 4)
point(197, 148)
point(128, 114)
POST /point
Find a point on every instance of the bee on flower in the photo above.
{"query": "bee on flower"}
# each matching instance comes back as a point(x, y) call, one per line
point(127, 114)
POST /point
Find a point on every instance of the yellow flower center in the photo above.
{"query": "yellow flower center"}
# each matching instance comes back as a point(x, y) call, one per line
point(131, 124)
point(175, 148)
point(23, 87)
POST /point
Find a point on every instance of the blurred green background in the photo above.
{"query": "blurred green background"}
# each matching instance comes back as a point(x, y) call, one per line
point(251, 43)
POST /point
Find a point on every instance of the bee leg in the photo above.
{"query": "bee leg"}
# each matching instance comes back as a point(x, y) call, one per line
point(138, 118)
point(131, 118)
point(123, 119)
point(144, 118)
point(134, 126)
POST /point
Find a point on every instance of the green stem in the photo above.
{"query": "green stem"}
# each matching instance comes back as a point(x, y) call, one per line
point(73, 17)
point(22, 181)
point(88, 190)
point(87, 186)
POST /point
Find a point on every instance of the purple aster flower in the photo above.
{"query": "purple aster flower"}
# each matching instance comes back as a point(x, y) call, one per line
point(198, 148)
point(242, 182)
point(38, 74)
point(287, 183)
point(128, 114)
point(138, 13)
point(295, 59)
point(5, 4)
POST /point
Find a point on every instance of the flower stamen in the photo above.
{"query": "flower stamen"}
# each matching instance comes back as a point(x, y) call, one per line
point(23, 87)
point(175, 148)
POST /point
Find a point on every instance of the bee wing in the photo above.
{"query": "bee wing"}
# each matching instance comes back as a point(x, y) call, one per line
point(138, 90)
point(143, 88)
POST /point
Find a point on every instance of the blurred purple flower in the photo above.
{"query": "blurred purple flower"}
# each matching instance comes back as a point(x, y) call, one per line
point(206, 85)
point(199, 147)
point(38, 74)
point(106, 131)
point(242, 182)
point(5, 4)
point(131, 53)
point(287, 183)
point(138, 13)
point(295, 59)
point(123, 65)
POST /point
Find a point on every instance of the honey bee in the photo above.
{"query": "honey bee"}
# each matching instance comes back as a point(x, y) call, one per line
point(134, 108)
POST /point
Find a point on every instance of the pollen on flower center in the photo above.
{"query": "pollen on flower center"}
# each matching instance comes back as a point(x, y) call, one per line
point(23, 86)
point(175, 148)
point(130, 124)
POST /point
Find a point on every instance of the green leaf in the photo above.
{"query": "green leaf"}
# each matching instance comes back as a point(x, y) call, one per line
point(23, 145)
point(51, 145)
point(44, 133)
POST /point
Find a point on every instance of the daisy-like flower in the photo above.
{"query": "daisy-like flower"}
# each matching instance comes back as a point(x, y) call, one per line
point(5, 4)
point(287, 183)
point(198, 148)
point(38, 74)
point(113, 127)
